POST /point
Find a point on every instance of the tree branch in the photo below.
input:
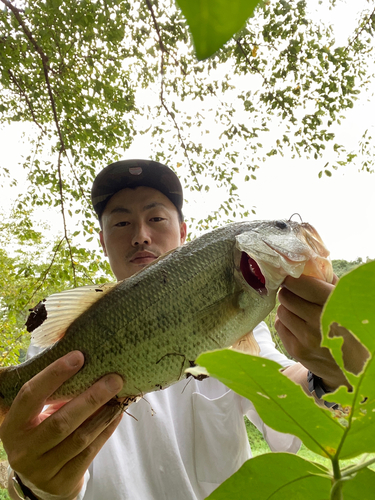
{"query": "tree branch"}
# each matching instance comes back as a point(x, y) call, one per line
point(23, 93)
point(163, 51)
point(161, 43)
point(46, 69)
point(359, 32)
point(42, 280)
point(239, 44)
point(266, 82)
point(66, 237)
point(16, 13)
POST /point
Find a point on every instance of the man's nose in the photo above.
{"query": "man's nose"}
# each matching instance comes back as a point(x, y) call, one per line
point(141, 236)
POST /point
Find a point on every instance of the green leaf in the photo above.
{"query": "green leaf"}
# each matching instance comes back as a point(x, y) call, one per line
point(291, 477)
point(362, 486)
point(348, 319)
point(352, 306)
point(281, 403)
point(213, 22)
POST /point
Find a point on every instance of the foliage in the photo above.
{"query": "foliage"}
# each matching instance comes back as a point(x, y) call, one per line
point(257, 442)
point(81, 78)
point(341, 266)
point(336, 435)
point(23, 277)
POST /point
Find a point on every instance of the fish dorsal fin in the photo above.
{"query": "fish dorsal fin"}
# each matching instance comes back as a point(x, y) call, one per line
point(50, 319)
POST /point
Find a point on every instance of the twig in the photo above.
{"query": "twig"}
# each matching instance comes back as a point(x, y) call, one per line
point(27, 32)
point(66, 237)
point(23, 93)
point(259, 72)
point(161, 43)
point(249, 62)
point(171, 115)
point(163, 51)
point(359, 32)
point(352, 469)
point(42, 280)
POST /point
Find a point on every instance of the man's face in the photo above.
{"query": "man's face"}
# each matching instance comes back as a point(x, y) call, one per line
point(139, 225)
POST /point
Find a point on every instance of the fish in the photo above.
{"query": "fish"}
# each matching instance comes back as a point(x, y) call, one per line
point(205, 295)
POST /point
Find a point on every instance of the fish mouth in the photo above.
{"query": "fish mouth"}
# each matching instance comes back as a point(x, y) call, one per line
point(252, 274)
point(289, 256)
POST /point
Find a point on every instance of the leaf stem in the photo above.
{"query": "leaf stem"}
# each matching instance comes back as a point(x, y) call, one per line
point(336, 491)
point(351, 470)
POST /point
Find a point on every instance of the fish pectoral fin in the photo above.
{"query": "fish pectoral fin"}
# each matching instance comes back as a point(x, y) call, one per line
point(197, 371)
point(50, 319)
point(247, 344)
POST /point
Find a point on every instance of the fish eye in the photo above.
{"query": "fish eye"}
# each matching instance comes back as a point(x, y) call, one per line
point(281, 224)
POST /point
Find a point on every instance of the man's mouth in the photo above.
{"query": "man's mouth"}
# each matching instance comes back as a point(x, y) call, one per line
point(142, 258)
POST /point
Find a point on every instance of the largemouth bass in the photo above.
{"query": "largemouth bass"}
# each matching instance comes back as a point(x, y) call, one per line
point(152, 326)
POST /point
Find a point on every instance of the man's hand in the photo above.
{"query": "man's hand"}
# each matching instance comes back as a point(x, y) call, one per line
point(298, 325)
point(51, 450)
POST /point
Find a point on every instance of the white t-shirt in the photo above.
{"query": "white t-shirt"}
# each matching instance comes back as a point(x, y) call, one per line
point(186, 441)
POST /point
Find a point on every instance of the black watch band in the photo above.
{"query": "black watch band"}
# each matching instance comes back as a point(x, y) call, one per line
point(316, 385)
point(22, 491)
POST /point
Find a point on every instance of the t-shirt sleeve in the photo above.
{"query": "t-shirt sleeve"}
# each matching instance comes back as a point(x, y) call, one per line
point(267, 346)
point(277, 441)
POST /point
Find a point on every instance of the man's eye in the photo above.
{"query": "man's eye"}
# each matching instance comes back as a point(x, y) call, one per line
point(122, 224)
point(157, 219)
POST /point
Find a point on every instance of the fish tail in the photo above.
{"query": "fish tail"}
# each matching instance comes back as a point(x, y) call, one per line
point(4, 405)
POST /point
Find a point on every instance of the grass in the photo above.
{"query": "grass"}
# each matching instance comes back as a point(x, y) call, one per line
point(3, 456)
point(259, 446)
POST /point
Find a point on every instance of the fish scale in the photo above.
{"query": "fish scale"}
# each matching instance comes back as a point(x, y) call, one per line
point(152, 326)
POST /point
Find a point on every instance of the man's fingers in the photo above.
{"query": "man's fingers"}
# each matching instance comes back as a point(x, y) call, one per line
point(30, 400)
point(83, 436)
point(68, 478)
point(300, 346)
point(308, 311)
point(76, 467)
point(67, 419)
point(311, 289)
point(286, 323)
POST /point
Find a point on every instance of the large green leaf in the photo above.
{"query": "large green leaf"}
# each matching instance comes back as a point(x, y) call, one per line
point(362, 486)
point(291, 477)
point(214, 22)
point(352, 306)
point(280, 402)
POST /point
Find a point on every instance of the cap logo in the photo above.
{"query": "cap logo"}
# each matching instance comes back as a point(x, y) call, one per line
point(135, 170)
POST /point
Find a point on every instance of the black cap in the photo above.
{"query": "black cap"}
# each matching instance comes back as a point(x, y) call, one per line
point(130, 174)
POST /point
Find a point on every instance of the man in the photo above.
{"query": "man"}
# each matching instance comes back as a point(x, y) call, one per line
point(183, 441)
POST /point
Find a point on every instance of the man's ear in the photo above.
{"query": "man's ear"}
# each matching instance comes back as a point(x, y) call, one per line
point(102, 243)
point(183, 232)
